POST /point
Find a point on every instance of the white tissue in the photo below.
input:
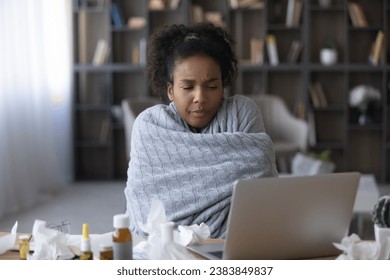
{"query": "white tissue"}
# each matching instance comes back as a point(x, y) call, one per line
point(192, 234)
point(355, 249)
point(50, 244)
point(155, 248)
point(8, 241)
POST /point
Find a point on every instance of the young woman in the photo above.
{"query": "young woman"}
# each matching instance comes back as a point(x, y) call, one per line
point(188, 154)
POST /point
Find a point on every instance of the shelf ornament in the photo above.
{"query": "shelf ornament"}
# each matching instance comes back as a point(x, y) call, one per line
point(361, 97)
point(328, 53)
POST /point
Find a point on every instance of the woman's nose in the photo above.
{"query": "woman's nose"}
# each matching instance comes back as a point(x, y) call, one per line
point(200, 96)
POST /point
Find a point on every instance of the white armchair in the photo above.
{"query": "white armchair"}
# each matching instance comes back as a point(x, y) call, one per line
point(289, 134)
point(132, 107)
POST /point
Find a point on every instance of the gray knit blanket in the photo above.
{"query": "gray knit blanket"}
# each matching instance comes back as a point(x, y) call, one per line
point(193, 173)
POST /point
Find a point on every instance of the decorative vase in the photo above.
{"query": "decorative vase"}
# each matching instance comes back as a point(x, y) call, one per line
point(382, 238)
point(328, 56)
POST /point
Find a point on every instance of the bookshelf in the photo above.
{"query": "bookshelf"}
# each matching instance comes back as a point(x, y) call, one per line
point(99, 88)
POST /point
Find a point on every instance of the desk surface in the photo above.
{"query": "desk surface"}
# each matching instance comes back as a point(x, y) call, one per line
point(9, 255)
point(367, 195)
point(14, 255)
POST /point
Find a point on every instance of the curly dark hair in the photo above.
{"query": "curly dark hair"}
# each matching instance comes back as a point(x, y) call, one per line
point(176, 42)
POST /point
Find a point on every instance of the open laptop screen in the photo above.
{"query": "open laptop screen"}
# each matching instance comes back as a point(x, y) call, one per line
point(289, 217)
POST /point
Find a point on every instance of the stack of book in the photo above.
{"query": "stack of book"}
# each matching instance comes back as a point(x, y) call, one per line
point(295, 51)
point(138, 53)
point(249, 4)
point(199, 15)
point(357, 15)
point(163, 4)
point(272, 50)
point(101, 53)
point(117, 15)
point(377, 52)
point(257, 54)
point(317, 95)
point(294, 12)
point(136, 22)
point(104, 135)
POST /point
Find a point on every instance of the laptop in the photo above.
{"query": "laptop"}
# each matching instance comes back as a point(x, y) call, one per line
point(286, 218)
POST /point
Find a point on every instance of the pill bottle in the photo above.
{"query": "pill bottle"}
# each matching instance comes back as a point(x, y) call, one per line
point(24, 246)
point(122, 243)
point(105, 252)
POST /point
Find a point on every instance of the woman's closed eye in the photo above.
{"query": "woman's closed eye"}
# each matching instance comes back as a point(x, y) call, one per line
point(208, 87)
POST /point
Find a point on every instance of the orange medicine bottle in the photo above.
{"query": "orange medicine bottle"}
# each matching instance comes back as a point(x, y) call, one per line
point(122, 243)
point(105, 252)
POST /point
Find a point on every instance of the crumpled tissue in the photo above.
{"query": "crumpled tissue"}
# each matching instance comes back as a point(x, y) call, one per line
point(56, 245)
point(8, 241)
point(50, 244)
point(355, 249)
point(192, 234)
point(162, 243)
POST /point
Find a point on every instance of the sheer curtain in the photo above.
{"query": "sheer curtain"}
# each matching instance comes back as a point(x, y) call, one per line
point(35, 100)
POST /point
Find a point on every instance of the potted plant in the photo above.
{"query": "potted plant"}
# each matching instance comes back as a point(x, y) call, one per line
point(328, 54)
point(381, 219)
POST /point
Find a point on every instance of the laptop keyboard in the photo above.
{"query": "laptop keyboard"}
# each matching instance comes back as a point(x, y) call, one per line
point(218, 254)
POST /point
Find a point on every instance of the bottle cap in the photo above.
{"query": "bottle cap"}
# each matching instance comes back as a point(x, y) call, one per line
point(24, 237)
point(121, 221)
point(85, 231)
point(105, 247)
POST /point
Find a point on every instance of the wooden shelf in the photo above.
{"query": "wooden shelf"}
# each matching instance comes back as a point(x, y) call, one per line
point(329, 145)
point(373, 127)
point(117, 67)
point(330, 109)
point(97, 88)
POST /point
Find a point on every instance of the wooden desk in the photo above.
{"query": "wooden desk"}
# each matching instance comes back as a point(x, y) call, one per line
point(9, 255)
point(14, 255)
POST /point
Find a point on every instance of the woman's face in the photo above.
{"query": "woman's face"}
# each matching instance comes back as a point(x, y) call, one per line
point(197, 90)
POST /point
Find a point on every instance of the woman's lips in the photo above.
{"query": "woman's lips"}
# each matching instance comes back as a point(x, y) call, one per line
point(198, 113)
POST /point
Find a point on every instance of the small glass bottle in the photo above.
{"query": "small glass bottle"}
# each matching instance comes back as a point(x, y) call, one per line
point(105, 252)
point(85, 248)
point(24, 246)
point(122, 239)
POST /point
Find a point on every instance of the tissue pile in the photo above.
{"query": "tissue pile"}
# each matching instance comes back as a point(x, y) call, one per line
point(163, 241)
